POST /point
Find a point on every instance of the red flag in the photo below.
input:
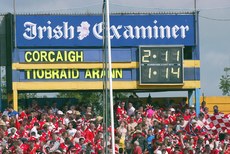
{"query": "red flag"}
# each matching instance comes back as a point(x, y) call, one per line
point(190, 129)
point(217, 123)
point(17, 124)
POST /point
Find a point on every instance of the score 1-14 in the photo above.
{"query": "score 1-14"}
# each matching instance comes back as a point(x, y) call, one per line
point(167, 72)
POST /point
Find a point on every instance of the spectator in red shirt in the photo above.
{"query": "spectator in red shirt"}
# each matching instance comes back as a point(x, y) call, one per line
point(137, 148)
point(23, 144)
point(138, 118)
point(187, 115)
point(121, 112)
point(172, 116)
point(89, 133)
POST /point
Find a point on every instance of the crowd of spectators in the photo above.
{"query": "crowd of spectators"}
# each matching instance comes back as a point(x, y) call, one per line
point(172, 129)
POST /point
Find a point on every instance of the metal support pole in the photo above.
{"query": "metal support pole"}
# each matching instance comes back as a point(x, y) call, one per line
point(15, 99)
point(190, 97)
point(110, 76)
point(106, 19)
point(197, 98)
point(0, 88)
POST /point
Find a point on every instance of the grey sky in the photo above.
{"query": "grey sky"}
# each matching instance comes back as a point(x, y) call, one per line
point(214, 26)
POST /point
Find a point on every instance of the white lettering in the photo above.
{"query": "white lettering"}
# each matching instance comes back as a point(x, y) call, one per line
point(164, 31)
point(174, 31)
point(49, 31)
point(66, 31)
point(183, 29)
point(128, 33)
point(57, 32)
point(30, 31)
point(97, 30)
point(142, 31)
point(115, 31)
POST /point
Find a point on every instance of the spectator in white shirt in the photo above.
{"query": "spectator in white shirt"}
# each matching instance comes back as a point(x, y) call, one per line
point(131, 109)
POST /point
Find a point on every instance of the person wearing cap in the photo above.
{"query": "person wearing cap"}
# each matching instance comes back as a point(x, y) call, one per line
point(59, 112)
point(172, 116)
point(66, 118)
point(77, 113)
point(69, 112)
point(141, 139)
point(192, 111)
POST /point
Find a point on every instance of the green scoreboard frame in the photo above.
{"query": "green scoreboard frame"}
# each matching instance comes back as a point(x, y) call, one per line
point(161, 65)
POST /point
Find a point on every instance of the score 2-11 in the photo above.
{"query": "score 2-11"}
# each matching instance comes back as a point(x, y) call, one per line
point(161, 65)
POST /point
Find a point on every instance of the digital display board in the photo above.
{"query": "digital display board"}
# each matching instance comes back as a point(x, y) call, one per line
point(161, 64)
point(64, 52)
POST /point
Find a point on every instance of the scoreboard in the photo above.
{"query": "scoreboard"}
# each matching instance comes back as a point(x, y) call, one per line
point(161, 65)
point(65, 52)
